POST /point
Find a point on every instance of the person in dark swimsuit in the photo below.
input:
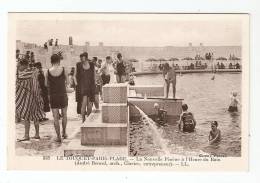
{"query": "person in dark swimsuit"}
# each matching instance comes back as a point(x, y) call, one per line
point(86, 73)
point(77, 80)
point(187, 121)
point(57, 79)
point(121, 69)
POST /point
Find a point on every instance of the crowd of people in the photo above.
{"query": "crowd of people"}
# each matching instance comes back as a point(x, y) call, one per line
point(49, 43)
point(38, 93)
point(199, 65)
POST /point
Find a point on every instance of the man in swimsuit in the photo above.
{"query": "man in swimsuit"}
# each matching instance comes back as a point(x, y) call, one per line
point(169, 75)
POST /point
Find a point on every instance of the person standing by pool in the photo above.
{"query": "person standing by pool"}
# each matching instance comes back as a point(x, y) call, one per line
point(28, 100)
point(44, 90)
point(120, 69)
point(85, 72)
point(98, 83)
point(71, 78)
point(128, 69)
point(187, 121)
point(169, 75)
point(77, 78)
point(108, 71)
point(94, 60)
point(56, 81)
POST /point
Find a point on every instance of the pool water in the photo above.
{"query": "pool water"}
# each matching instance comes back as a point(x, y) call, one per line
point(208, 100)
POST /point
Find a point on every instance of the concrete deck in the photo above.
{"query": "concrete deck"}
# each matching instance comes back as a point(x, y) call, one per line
point(95, 132)
point(92, 138)
point(47, 146)
point(75, 148)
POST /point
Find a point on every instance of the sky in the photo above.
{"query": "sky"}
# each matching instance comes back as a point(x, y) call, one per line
point(132, 32)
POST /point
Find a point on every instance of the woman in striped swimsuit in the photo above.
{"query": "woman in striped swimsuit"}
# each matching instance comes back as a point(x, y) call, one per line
point(29, 103)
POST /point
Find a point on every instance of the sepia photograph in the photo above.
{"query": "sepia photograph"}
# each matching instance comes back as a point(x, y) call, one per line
point(128, 91)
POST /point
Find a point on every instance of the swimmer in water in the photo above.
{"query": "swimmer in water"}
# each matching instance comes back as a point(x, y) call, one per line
point(161, 113)
point(214, 134)
point(234, 102)
point(187, 122)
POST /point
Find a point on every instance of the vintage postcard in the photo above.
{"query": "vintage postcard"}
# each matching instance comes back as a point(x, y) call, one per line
point(118, 91)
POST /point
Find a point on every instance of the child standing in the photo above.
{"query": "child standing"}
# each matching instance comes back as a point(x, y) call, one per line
point(214, 134)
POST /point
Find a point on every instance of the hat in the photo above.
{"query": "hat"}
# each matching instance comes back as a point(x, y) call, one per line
point(156, 105)
point(24, 61)
point(119, 55)
point(215, 123)
point(85, 54)
point(38, 65)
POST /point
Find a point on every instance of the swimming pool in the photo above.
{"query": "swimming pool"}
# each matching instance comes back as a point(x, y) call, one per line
point(208, 100)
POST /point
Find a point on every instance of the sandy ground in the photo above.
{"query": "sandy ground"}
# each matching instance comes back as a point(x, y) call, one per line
point(46, 145)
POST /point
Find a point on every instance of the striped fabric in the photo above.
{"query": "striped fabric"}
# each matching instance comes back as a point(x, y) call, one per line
point(29, 103)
